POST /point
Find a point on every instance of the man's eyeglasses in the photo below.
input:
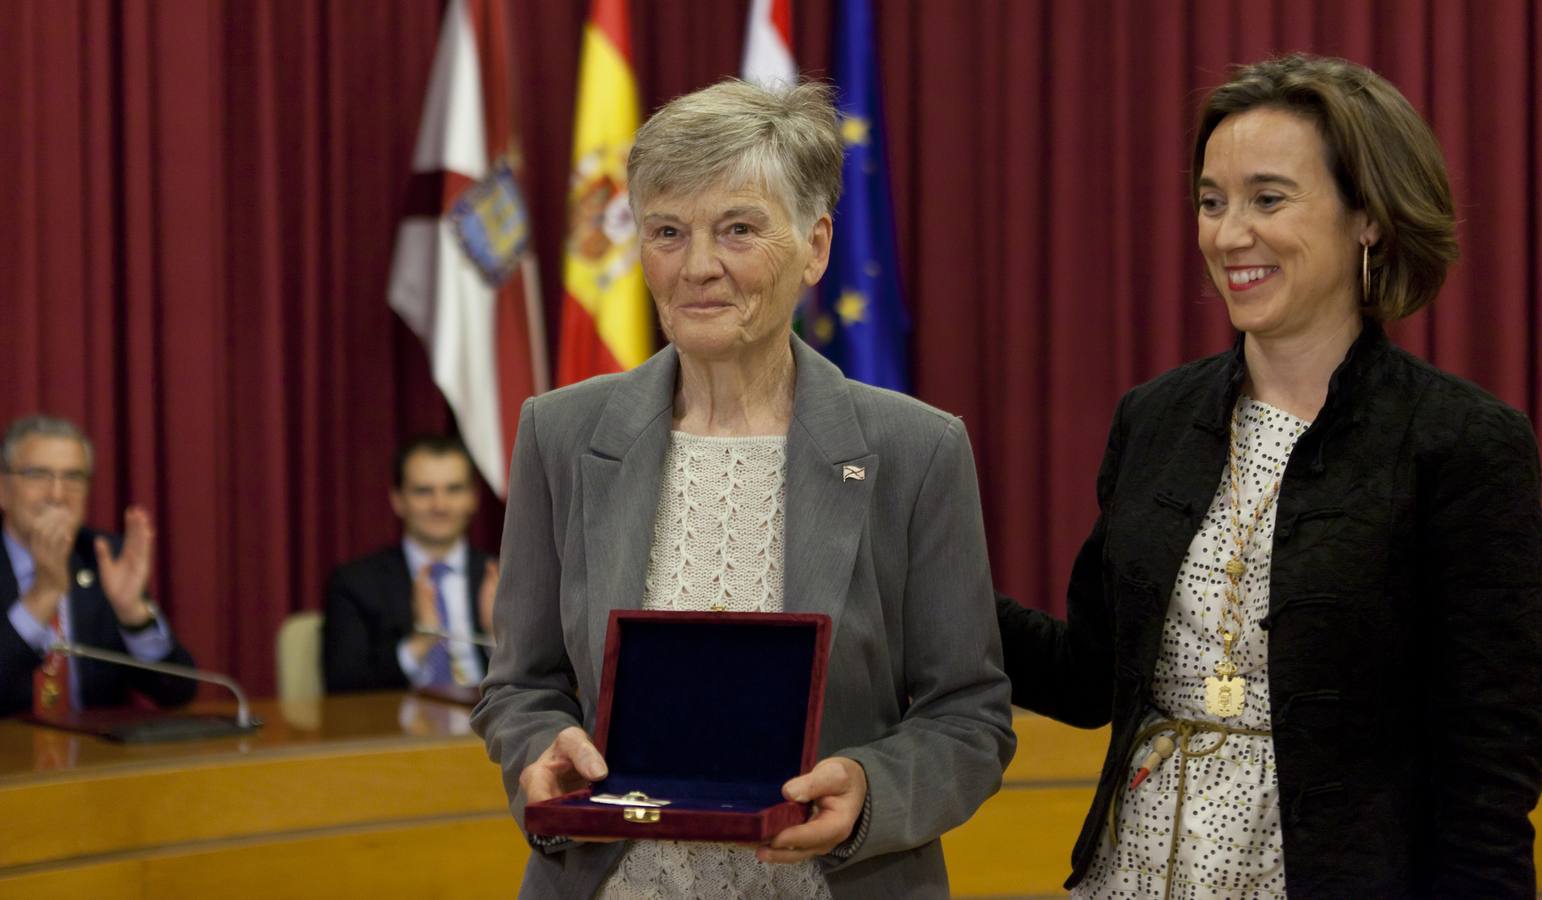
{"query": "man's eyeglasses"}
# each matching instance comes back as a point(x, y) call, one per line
point(73, 480)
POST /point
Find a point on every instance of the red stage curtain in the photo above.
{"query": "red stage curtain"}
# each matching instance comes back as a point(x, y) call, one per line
point(201, 199)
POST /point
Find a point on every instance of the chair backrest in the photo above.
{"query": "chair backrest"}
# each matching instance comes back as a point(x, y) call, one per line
point(298, 651)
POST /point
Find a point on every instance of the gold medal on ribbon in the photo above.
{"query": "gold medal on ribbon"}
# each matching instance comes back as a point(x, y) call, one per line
point(1225, 695)
point(1226, 692)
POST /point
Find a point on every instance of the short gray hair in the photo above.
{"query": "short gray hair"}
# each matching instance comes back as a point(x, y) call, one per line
point(737, 133)
point(41, 425)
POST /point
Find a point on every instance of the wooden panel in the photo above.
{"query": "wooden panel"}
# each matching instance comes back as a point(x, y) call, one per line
point(463, 859)
point(29, 752)
point(1536, 845)
point(115, 880)
point(458, 860)
point(148, 808)
point(1050, 751)
point(1018, 843)
point(381, 796)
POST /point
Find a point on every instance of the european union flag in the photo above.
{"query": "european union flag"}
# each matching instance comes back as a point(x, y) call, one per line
point(859, 320)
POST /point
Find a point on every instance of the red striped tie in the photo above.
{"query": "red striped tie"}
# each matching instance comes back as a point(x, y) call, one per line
point(51, 681)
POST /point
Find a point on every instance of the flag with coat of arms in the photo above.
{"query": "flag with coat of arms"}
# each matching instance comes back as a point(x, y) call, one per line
point(463, 272)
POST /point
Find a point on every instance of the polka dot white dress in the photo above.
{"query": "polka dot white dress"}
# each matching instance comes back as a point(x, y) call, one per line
point(1229, 836)
point(717, 543)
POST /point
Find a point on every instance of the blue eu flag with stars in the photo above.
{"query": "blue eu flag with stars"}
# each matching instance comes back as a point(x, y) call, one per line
point(859, 320)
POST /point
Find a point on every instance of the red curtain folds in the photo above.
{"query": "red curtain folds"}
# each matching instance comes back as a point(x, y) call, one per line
point(201, 199)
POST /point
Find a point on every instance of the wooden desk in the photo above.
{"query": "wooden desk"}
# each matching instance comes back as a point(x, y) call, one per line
point(384, 795)
point(376, 794)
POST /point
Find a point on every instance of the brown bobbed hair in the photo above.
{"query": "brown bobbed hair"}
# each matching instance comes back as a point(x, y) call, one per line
point(1383, 157)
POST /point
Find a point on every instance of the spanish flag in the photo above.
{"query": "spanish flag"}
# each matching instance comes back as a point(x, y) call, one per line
point(607, 319)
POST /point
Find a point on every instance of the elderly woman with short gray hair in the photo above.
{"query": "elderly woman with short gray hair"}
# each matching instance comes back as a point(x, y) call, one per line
point(719, 475)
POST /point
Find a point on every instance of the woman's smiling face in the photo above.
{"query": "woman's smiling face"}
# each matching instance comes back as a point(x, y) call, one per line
point(726, 267)
point(1278, 240)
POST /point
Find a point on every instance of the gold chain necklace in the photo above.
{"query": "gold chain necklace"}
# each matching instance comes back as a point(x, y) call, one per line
point(1226, 691)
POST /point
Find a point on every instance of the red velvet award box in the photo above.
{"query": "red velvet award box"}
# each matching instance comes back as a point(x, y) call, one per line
point(702, 718)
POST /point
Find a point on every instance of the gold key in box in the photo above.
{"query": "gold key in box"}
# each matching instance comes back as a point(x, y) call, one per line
point(630, 798)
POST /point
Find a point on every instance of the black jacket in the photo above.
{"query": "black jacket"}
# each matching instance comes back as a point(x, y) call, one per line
point(93, 624)
point(1405, 623)
point(369, 612)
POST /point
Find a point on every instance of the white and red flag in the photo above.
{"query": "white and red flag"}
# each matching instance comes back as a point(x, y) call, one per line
point(463, 275)
point(768, 57)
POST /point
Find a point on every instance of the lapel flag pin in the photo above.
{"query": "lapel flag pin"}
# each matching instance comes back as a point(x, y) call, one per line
point(853, 473)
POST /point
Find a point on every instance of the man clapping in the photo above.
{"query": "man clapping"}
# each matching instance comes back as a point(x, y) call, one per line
point(64, 581)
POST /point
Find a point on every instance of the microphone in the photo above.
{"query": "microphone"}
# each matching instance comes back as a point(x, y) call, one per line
point(465, 694)
point(244, 719)
point(480, 640)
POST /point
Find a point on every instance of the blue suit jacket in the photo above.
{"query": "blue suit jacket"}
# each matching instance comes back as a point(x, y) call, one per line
point(369, 612)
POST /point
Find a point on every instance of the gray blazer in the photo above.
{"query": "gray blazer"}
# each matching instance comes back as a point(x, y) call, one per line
point(916, 692)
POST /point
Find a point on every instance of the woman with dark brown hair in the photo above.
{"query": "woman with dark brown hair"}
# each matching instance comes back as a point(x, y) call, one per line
point(1312, 602)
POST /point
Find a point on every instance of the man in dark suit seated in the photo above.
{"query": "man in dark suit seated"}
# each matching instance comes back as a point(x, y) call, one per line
point(63, 580)
point(379, 607)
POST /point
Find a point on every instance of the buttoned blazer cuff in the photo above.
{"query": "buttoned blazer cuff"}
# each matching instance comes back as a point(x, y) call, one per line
point(848, 848)
point(549, 843)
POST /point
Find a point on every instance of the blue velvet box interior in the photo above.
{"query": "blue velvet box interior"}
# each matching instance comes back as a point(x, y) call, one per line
point(709, 714)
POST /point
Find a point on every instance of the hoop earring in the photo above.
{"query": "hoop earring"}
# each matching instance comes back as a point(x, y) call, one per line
point(1365, 274)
